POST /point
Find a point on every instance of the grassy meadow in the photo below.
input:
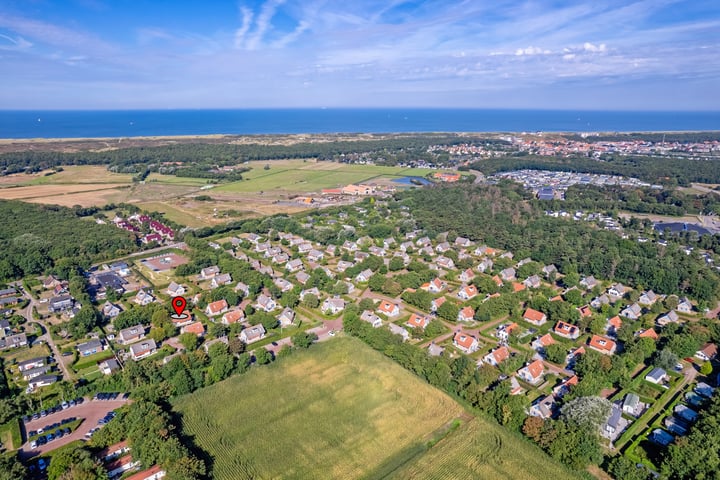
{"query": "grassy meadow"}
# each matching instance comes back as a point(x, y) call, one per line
point(338, 410)
point(343, 410)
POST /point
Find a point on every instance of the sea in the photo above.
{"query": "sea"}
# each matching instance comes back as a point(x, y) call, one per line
point(137, 123)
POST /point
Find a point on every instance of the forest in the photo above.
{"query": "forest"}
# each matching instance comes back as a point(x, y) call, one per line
point(505, 216)
point(39, 238)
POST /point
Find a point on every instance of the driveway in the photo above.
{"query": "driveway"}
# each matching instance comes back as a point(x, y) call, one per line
point(323, 331)
point(91, 411)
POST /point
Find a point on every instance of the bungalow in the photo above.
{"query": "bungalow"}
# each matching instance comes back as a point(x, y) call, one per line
point(468, 292)
point(704, 389)
point(466, 343)
point(377, 251)
point(532, 282)
point(109, 366)
point(533, 372)
point(88, 348)
point(131, 334)
point(343, 265)
point(540, 343)
point(707, 352)
point(175, 289)
point(463, 242)
point(518, 287)
point(61, 303)
point(549, 270)
point(467, 276)
point(244, 288)
point(614, 422)
point(466, 314)
point(209, 272)
point(423, 242)
point(585, 311)
point(670, 317)
point(588, 282)
point(600, 301)
point(389, 242)
point(661, 437)
point(220, 280)
point(216, 308)
point(263, 247)
point(434, 286)
point(602, 344)
point(253, 334)
point(305, 247)
point(143, 297)
point(333, 306)
point(350, 246)
point(50, 282)
point(309, 291)
point(657, 376)
point(371, 318)
point(302, 277)
point(631, 405)
point(544, 407)
point(32, 363)
point(685, 306)
point(233, 316)
point(418, 321)
point(364, 276)
point(444, 262)
point(618, 291)
point(110, 310)
point(286, 317)
point(294, 265)
point(398, 330)
point(42, 381)
point(206, 346)
point(534, 317)
point(283, 285)
point(632, 312)
point(278, 256)
point(485, 265)
point(613, 325)
point(143, 349)
point(573, 355)
point(508, 274)
point(13, 341)
point(405, 246)
point(152, 473)
point(265, 303)
point(564, 387)
point(504, 331)
point(443, 247)
point(497, 356)
point(315, 255)
point(389, 309)
point(113, 451)
point(436, 303)
point(196, 327)
point(566, 330)
point(649, 333)
point(648, 298)
point(31, 373)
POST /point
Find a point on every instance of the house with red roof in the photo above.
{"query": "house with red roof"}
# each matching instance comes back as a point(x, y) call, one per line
point(533, 372)
point(418, 321)
point(467, 275)
point(613, 325)
point(197, 328)
point(497, 356)
point(152, 473)
point(437, 303)
point(602, 344)
point(585, 311)
point(707, 352)
point(233, 316)
point(389, 309)
point(566, 330)
point(216, 308)
point(649, 333)
point(466, 343)
point(564, 386)
point(468, 292)
point(466, 314)
point(543, 342)
point(533, 316)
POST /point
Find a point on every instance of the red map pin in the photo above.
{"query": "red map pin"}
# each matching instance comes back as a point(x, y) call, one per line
point(179, 304)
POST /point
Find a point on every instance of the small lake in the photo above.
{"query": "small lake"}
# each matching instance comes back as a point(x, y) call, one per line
point(413, 181)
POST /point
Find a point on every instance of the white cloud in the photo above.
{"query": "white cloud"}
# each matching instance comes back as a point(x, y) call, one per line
point(263, 22)
point(247, 16)
point(589, 47)
point(532, 51)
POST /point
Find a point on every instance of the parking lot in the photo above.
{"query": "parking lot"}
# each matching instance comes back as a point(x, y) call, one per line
point(91, 411)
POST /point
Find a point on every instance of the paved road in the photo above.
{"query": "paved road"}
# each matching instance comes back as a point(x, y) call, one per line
point(90, 410)
point(178, 245)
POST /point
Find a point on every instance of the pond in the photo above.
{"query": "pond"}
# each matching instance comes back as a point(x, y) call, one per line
point(415, 181)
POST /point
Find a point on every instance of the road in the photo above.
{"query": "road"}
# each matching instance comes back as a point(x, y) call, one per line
point(46, 337)
point(90, 410)
point(178, 245)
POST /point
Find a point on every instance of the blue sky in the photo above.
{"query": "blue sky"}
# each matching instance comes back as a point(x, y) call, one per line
point(126, 54)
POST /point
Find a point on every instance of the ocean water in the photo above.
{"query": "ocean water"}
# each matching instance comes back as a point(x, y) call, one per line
point(129, 123)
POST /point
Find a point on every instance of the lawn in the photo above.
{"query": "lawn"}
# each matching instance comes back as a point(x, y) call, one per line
point(10, 435)
point(481, 449)
point(338, 410)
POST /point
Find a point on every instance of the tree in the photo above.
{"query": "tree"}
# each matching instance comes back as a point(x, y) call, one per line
point(684, 345)
point(367, 304)
point(11, 468)
point(574, 296)
point(448, 311)
point(621, 467)
point(555, 353)
point(590, 412)
point(303, 339)
point(533, 428)
point(665, 359)
point(597, 325)
point(376, 282)
point(706, 368)
point(396, 263)
point(76, 458)
point(263, 356)
point(189, 341)
point(236, 346)
point(311, 301)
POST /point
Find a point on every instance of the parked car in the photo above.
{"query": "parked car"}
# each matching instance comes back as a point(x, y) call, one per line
point(33, 444)
point(64, 405)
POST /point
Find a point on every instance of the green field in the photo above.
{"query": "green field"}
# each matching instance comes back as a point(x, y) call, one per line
point(311, 176)
point(343, 410)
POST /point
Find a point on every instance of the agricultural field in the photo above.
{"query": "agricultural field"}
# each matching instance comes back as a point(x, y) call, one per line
point(482, 449)
point(338, 410)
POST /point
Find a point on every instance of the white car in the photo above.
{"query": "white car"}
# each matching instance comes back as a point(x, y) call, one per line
point(331, 333)
point(33, 444)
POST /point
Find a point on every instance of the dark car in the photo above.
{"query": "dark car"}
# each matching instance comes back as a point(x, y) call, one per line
point(59, 434)
point(114, 395)
point(26, 419)
point(35, 416)
point(67, 430)
point(67, 354)
point(50, 437)
point(102, 421)
point(79, 400)
point(41, 440)
point(43, 413)
point(32, 433)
